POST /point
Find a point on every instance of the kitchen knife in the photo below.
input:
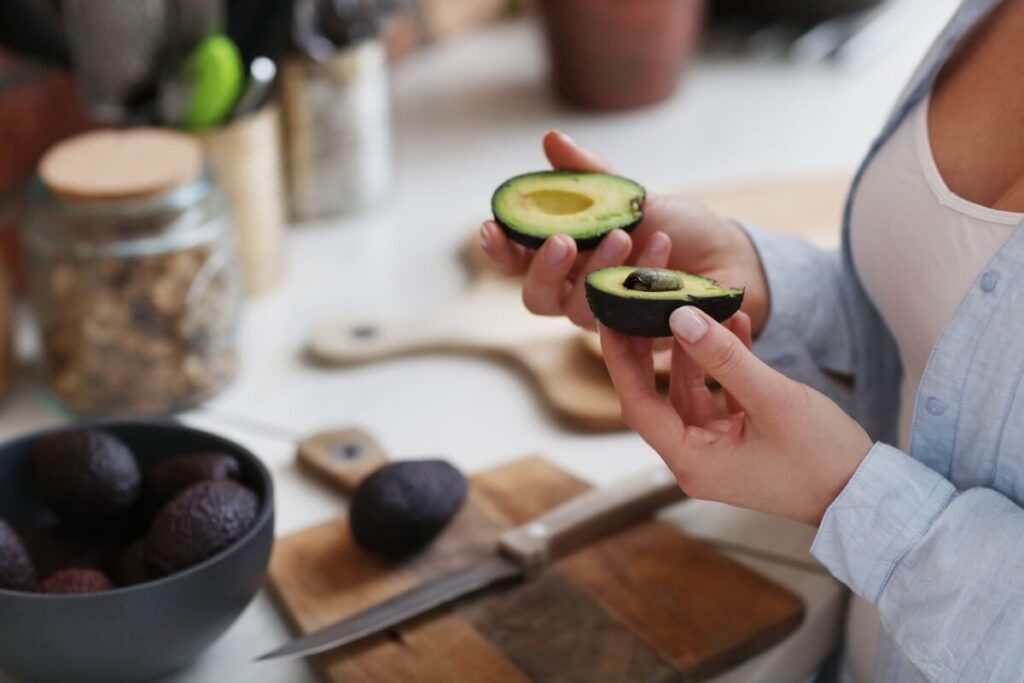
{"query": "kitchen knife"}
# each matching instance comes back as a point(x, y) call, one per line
point(519, 553)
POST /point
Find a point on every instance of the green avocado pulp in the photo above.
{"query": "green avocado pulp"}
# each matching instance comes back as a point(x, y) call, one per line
point(586, 206)
point(613, 281)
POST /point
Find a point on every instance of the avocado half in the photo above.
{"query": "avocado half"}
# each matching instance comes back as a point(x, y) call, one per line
point(639, 301)
point(583, 205)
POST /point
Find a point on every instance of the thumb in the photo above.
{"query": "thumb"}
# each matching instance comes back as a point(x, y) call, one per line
point(564, 154)
point(723, 356)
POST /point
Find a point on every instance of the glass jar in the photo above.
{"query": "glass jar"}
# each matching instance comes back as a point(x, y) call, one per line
point(137, 301)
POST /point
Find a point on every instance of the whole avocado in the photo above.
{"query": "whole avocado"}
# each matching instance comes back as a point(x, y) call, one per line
point(75, 581)
point(166, 478)
point(85, 475)
point(399, 509)
point(130, 566)
point(16, 569)
point(52, 549)
point(197, 523)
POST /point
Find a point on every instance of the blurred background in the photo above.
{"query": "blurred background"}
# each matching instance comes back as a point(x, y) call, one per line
point(226, 209)
point(346, 149)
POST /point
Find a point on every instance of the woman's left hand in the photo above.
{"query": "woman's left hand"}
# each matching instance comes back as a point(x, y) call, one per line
point(778, 447)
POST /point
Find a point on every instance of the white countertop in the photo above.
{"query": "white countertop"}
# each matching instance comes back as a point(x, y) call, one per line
point(470, 113)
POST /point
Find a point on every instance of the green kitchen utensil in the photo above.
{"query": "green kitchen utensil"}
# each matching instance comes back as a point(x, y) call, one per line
point(216, 75)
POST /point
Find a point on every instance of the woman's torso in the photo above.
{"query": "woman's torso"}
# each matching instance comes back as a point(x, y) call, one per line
point(917, 247)
point(933, 206)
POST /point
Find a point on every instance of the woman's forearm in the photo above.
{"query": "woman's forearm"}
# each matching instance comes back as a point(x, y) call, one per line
point(942, 566)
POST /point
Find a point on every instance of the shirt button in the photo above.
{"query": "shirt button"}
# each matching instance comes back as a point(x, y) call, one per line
point(989, 280)
point(935, 406)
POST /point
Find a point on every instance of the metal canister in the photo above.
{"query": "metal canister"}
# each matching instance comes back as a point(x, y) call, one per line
point(337, 129)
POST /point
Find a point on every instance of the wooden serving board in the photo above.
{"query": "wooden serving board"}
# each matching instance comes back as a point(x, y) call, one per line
point(647, 604)
point(490, 318)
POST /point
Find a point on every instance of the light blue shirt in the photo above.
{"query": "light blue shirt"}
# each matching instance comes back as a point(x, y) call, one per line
point(934, 539)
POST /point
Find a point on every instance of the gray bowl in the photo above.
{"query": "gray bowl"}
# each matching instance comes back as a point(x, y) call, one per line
point(138, 632)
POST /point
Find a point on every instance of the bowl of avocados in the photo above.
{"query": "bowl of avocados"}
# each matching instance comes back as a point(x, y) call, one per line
point(127, 547)
point(584, 205)
point(639, 301)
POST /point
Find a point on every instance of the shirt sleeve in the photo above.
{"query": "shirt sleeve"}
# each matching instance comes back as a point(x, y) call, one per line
point(808, 331)
point(943, 567)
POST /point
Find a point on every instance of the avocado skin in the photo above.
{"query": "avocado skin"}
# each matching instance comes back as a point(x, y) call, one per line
point(199, 522)
point(85, 475)
point(166, 478)
point(399, 509)
point(582, 243)
point(534, 242)
point(130, 567)
point(75, 581)
point(53, 549)
point(16, 569)
point(649, 317)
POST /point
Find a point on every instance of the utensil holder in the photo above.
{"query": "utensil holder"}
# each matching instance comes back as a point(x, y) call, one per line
point(338, 130)
point(246, 158)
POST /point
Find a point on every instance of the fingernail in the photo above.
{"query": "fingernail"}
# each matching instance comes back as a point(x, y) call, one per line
point(688, 324)
point(485, 236)
point(560, 134)
point(556, 251)
point(614, 246)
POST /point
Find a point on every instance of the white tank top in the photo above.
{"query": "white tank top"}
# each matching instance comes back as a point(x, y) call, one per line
point(917, 248)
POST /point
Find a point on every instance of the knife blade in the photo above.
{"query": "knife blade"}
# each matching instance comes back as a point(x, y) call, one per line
point(518, 554)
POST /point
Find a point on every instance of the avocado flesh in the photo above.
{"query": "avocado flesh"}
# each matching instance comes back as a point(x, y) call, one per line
point(645, 313)
point(586, 206)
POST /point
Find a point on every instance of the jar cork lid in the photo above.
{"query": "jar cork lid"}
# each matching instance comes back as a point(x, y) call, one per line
point(110, 165)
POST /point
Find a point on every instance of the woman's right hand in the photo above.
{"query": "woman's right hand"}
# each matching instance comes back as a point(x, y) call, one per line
point(676, 232)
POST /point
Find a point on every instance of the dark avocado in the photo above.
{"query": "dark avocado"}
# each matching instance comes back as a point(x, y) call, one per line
point(198, 523)
point(399, 509)
point(16, 569)
point(130, 566)
point(639, 301)
point(54, 549)
point(86, 475)
point(75, 580)
point(586, 206)
point(166, 478)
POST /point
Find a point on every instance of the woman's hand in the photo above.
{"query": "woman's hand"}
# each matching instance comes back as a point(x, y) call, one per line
point(675, 232)
point(777, 447)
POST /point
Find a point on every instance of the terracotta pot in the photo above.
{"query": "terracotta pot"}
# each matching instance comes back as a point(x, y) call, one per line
point(619, 54)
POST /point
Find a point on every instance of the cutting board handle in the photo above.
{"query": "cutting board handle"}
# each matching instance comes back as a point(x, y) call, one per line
point(341, 457)
point(595, 514)
point(361, 341)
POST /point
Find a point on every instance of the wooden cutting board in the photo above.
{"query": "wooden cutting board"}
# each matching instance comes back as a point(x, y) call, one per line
point(490, 319)
point(647, 604)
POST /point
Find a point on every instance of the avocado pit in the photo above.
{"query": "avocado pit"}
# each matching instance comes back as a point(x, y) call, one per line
point(653, 280)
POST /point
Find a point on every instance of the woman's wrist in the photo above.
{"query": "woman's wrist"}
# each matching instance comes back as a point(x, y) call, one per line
point(756, 298)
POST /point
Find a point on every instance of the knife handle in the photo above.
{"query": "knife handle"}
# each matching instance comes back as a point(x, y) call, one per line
point(590, 516)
